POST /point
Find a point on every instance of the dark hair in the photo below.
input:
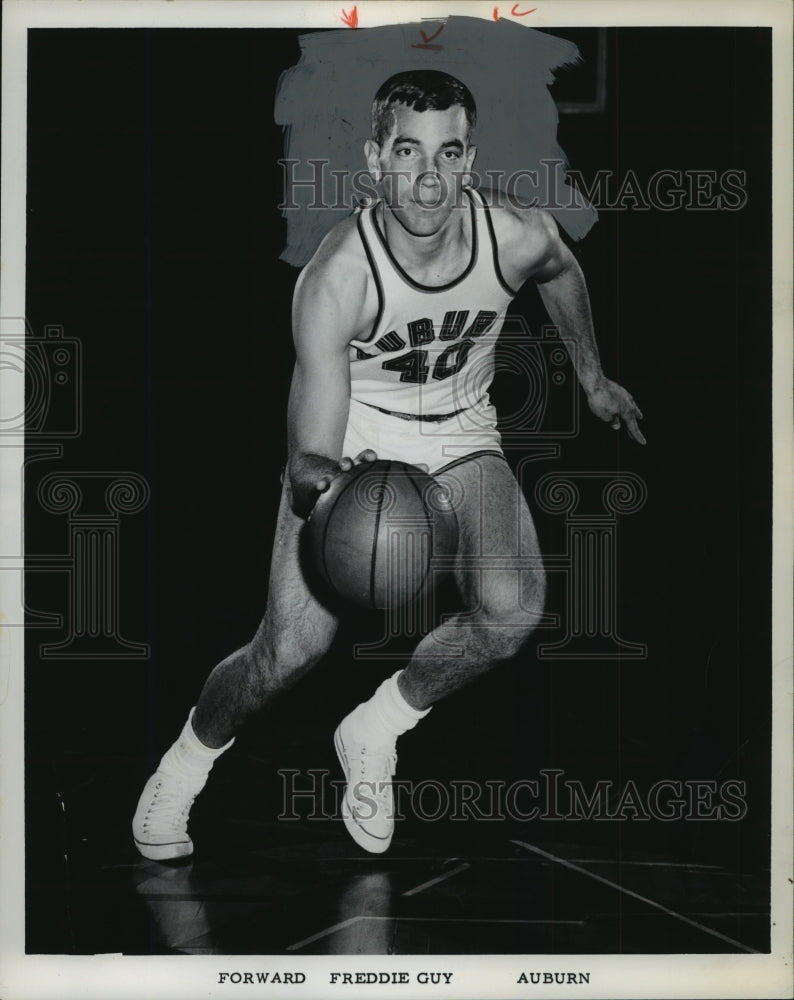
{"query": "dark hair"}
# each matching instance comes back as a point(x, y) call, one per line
point(422, 90)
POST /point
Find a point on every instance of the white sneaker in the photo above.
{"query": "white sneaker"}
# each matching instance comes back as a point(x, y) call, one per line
point(368, 803)
point(159, 826)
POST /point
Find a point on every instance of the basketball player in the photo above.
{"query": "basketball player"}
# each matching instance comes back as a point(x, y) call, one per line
point(395, 320)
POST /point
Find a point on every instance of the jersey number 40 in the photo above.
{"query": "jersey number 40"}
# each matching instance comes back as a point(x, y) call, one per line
point(413, 366)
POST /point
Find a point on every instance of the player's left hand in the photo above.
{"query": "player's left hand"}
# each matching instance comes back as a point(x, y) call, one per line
point(611, 403)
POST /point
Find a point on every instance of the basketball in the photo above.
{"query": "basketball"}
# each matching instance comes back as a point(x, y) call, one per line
point(374, 533)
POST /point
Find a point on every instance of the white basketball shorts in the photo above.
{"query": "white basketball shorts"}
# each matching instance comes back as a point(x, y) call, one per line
point(438, 444)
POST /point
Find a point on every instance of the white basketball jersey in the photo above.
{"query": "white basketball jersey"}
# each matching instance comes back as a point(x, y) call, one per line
point(431, 349)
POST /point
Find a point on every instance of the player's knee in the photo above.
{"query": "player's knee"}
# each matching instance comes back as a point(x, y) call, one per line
point(278, 660)
point(513, 612)
point(519, 597)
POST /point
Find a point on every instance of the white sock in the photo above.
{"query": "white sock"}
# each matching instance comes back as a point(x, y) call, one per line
point(188, 756)
point(386, 715)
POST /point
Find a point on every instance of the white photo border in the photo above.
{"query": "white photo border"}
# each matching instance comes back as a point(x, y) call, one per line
point(43, 976)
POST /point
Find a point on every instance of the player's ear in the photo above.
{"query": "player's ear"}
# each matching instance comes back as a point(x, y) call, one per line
point(471, 152)
point(372, 154)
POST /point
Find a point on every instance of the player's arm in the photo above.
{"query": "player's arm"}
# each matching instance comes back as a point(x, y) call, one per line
point(564, 292)
point(320, 393)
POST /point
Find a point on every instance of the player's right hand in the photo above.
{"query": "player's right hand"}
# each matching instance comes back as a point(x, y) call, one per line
point(345, 464)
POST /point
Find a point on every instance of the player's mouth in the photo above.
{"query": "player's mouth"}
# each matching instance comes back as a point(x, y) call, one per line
point(428, 206)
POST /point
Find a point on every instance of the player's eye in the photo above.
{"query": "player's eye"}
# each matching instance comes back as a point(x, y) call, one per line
point(405, 152)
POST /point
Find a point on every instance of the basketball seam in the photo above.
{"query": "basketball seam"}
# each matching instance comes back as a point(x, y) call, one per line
point(327, 525)
point(385, 477)
point(465, 458)
point(429, 523)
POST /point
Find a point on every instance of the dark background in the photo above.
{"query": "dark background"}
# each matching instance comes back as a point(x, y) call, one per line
point(153, 238)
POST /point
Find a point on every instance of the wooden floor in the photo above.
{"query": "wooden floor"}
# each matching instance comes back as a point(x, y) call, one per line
point(258, 884)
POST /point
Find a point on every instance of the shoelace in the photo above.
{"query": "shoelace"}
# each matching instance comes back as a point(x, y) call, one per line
point(375, 770)
point(172, 803)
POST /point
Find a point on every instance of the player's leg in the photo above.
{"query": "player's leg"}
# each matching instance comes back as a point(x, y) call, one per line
point(502, 586)
point(499, 575)
point(294, 634)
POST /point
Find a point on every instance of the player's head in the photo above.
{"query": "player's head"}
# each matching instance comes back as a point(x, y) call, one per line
point(420, 148)
point(421, 90)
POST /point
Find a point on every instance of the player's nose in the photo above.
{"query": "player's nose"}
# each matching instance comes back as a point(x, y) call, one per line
point(429, 175)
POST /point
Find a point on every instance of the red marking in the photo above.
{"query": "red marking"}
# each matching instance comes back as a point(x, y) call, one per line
point(496, 13)
point(430, 39)
point(521, 13)
point(351, 19)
